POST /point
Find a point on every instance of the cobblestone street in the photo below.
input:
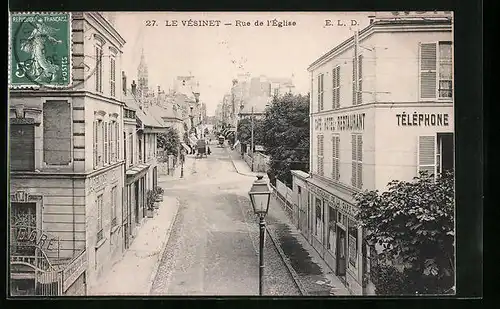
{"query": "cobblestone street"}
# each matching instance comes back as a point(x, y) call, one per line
point(213, 247)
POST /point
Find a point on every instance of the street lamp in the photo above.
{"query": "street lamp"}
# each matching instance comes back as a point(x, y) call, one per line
point(259, 197)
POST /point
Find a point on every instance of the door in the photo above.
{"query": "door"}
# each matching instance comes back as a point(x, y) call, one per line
point(341, 250)
point(137, 199)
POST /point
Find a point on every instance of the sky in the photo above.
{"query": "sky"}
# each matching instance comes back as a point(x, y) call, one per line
point(215, 55)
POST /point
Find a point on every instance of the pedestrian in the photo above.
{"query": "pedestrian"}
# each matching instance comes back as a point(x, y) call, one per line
point(209, 151)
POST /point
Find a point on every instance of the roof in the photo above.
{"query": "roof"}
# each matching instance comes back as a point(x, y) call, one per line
point(143, 115)
point(379, 24)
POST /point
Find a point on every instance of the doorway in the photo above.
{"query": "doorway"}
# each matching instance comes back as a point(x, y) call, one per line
point(137, 199)
point(341, 254)
point(445, 152)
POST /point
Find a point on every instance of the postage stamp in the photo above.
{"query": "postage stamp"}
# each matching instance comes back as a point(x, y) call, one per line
point(40, 50)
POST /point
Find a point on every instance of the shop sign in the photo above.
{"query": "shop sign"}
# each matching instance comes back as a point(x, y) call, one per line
point(422, 120)
point(35, 237)
point(74, 270)
point(343, 206)
point(347, 122)
point(347, 208)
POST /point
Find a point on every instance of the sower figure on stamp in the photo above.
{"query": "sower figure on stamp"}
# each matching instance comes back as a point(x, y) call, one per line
point(35, 45)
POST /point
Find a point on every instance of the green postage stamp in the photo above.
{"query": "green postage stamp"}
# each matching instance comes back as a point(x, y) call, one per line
point(40, 50)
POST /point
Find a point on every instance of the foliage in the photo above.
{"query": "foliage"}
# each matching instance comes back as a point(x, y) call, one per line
point(284, 132)
point(150, 199)
point(244, 131)
point(159, 190)
point(412, 224)
point(169, 141)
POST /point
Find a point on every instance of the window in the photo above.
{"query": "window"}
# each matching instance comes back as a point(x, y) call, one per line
point(57, 132)
point(320, 92)
point(436, 76)
point(117, 141)
point(131, 145)
point(319, 217)
point(357, 158)
point(353, 243)
point(436, 153)
point(99, 217)
point(332, 216)
point(336, 87)
point(98, 142)
point(22, 147)
point(114, 200)
point(106, 143)
point(112, 77)
point(320, 155)
point(357, 80)
point(359, 92)
point(95, 135)
point(336, 157)
point(112, 141)
point(98, 68)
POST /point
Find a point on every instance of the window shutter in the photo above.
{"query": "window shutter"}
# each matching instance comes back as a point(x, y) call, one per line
point(428, 72)
point(354, 162)
point(360, 80)
point(338, 86)
point(427, 154)
point(334, 88)
point(22, 147)
point(94, 139)
point(337, 163)
point(359, 147)
point(354, 81)
point(319, 93)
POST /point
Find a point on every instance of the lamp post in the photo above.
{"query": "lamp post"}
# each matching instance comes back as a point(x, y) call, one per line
point(259, 197)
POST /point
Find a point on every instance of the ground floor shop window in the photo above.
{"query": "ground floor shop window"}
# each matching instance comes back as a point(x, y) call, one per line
point(353, 243)
point(332, 216)
point(319, 217)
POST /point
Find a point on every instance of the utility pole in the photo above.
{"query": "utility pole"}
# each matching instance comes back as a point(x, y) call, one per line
point(252, 138)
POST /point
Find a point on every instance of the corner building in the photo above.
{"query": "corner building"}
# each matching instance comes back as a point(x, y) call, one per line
point(66, 169)
point(381, 110)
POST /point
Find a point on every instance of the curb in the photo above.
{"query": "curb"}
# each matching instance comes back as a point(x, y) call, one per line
point(235, 168)
point(286, 260)
point(163, 247)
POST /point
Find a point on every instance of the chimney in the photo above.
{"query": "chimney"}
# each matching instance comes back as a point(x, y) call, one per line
point(134, 88)
point(124, 82)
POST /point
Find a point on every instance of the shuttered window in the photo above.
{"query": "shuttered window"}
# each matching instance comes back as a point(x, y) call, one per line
point(320, 155)
point(114, 201)
point(427, 154)
point(57, 133)
point(22, 147)
point(105, 128)
point(336, 157)
point(117, 140)
point(320, 92)
point(359, 98)
point(357, 160)
point(428, 73)
point(336, 87)
point(100, 142)
point(436, 70)
point(98, 68)
point(100, 206)
point(95, 135)
point(112, 77)
point(354, 80)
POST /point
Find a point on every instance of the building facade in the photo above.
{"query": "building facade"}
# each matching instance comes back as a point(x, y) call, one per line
point(67, 168)
point(381, 110)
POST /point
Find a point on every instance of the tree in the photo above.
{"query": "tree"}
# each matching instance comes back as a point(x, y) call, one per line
point(412, 224)
point(284, 132)
point(244, 131)
point(169, 141)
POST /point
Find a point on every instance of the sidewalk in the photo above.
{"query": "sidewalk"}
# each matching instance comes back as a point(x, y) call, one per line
point(313, 276)
point(134, 273)
point(240, 165)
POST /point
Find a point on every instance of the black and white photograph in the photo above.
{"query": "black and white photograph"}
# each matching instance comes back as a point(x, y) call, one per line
point(231, 154)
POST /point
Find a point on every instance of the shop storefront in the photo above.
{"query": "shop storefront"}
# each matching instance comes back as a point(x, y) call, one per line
point(336, 233)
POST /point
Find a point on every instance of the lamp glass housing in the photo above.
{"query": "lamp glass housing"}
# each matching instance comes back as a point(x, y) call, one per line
point(260, 196)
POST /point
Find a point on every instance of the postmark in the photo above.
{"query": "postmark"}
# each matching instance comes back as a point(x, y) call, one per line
point(40, 50)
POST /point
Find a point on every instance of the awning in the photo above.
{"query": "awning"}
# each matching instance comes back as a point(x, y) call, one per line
point(136, 172)
point(185, 146)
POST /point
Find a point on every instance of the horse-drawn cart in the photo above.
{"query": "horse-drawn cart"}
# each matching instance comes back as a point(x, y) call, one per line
point(201, 147)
